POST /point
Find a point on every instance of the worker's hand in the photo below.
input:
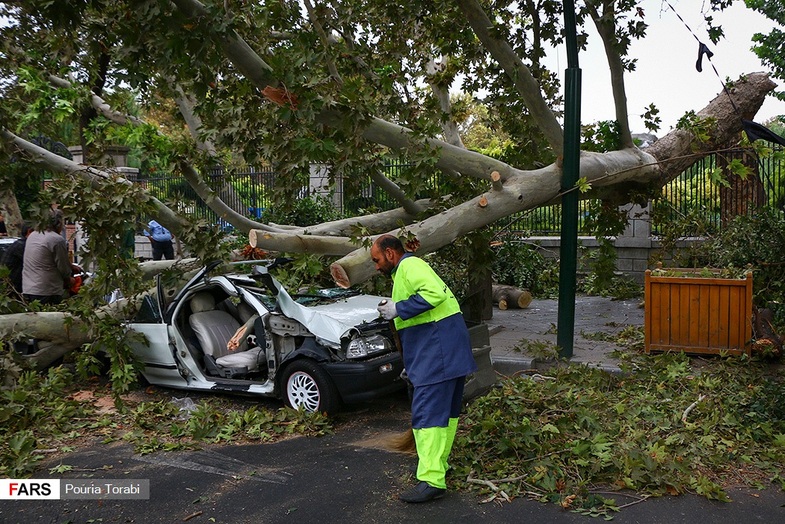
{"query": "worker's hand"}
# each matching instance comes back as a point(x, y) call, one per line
point(386, 309)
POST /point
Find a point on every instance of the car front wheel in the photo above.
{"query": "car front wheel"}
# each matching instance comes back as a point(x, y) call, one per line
point(307, 386)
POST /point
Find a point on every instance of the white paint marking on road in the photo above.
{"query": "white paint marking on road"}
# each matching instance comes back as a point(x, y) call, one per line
point(216, 463)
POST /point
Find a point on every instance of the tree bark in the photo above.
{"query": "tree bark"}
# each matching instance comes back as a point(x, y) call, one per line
point(744, 195)
point(298, 243)
point(679, 149)
point(9, 207)
point(606, 28)
point(478, 304)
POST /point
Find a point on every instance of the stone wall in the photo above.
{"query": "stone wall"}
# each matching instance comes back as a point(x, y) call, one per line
point(636, 250)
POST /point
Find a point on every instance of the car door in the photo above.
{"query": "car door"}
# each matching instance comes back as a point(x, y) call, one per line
point(156, 351)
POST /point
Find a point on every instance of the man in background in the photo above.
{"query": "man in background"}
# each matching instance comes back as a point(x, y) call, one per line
point(160, 240)
point(47, 270)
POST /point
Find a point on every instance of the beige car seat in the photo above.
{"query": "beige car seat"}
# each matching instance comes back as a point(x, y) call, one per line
point(213, 329)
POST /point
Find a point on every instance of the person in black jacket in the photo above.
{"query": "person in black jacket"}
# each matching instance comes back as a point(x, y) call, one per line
point(14, 257)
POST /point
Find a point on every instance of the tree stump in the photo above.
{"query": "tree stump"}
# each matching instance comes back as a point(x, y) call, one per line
point(510, 297)
point(767, 342)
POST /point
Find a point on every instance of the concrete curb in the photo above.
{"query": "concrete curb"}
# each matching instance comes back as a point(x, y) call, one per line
point(509, 366)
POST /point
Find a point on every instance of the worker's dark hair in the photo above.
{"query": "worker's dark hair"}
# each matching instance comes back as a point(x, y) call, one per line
point(26, 226)
point(390, 242)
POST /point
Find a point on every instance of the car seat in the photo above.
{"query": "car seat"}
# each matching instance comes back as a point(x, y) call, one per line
point(213, 329)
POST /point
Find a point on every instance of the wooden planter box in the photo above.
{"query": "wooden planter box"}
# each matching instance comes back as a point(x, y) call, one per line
point(691, 313)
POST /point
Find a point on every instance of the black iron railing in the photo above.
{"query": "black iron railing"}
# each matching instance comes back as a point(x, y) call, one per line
point(696, 194)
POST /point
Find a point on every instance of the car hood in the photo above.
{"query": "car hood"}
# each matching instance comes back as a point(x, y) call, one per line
point(330, 322)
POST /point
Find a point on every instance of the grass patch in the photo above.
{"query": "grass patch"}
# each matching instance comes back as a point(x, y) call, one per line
point(49, 414)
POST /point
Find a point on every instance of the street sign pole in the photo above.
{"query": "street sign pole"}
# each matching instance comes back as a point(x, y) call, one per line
point(570, 175)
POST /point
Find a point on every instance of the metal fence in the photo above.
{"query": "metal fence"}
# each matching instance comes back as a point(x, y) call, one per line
point(701, 194)
point(249, 192)
point(695, 194)
point(696, 197)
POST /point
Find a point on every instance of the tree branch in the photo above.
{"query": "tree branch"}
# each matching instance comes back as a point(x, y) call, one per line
point(377, 222)
point(525, 191)
point(300, 243)
point(378, 131)
point(520, 75)
point(450, 157)
point(185, 104)
point(214, 202)
point(164, 215)
point(392, 189)
point(97, 103)
point(680, 149)
point(606, 27)
point(442, 94)
point(247, 61)
point(336, 76)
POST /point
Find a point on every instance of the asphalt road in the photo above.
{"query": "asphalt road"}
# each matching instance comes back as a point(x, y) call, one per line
point(338, 478)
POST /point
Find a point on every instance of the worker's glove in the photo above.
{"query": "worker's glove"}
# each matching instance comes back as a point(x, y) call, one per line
point(386, 309)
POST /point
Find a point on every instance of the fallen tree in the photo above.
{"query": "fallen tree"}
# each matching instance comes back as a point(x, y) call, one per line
point(296, 88)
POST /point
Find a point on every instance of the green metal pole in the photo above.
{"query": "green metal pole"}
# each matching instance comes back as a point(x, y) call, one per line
point(570, 175)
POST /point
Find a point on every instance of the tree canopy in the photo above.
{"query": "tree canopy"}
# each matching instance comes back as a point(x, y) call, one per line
point(192, 83)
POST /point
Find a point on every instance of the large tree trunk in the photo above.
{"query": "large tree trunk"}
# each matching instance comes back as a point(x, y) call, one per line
point(512, 191)
point(478, 304)
point(658, 164)
point(744, 195)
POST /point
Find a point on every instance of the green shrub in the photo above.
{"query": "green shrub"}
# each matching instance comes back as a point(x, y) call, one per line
point(303, 212)
point(520, 264)
point(755, 240)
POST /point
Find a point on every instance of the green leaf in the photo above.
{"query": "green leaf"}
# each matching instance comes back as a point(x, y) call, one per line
point(583, 185)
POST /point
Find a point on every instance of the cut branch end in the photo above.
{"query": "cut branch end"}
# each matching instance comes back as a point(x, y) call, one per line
point(339, 276)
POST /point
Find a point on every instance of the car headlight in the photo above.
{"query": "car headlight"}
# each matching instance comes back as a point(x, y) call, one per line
point(361, 347)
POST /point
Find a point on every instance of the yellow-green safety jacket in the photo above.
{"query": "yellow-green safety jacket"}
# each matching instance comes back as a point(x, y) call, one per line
point(433, 333)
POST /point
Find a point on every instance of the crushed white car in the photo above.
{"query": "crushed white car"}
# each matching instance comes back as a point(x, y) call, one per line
point(314, 351)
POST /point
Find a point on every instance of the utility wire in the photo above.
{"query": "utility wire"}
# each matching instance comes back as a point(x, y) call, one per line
point(704, 49)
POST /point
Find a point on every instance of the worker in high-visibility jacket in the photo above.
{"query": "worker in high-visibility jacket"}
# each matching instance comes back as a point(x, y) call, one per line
point(437, 356)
